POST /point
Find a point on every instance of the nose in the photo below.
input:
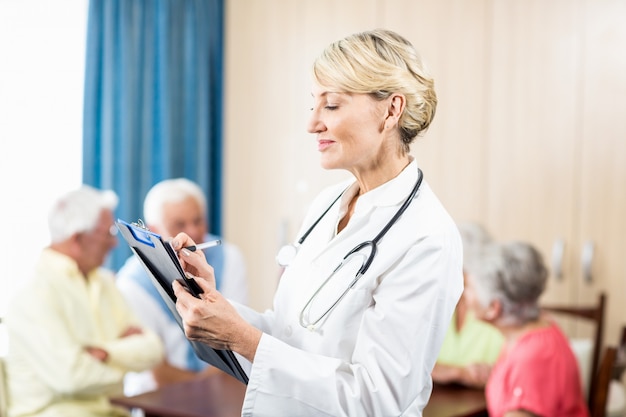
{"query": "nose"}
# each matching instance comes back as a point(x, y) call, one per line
point(195, 231)
point(315, 124)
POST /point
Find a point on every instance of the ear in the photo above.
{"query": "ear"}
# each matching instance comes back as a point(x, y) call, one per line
point(395, 107)
point(76, 239)
point(71, 246)
point(493, 311)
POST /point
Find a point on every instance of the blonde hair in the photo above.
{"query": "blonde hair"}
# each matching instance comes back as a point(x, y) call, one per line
point(381, 62)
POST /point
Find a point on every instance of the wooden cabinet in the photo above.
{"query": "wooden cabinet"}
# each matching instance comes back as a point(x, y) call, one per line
point(557, 142)
point(534, 126)
point(601, 202)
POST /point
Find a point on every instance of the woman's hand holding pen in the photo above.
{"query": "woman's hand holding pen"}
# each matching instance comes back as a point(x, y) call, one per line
point(192, 262)
point(211, 319)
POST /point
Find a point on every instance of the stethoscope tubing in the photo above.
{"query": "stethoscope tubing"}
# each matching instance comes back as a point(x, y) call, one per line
point(383, 231)
point(373, 244)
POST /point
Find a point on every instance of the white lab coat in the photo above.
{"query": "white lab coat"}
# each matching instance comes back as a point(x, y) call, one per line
point(374, 353)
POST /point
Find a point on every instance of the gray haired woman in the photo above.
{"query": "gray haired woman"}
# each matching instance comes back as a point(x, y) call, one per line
point(537, 373)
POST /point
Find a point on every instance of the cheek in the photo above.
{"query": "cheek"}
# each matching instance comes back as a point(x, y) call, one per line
point(368, 126)
point(355, 127)
point(470, 298)
point(474, 304)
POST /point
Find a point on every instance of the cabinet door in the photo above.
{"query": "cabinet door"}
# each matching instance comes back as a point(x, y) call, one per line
point(602, 202)
point(534, 134)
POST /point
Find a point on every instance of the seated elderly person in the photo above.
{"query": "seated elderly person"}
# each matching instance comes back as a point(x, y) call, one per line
point(72, 336)
point(537, 373)
point(471, 346)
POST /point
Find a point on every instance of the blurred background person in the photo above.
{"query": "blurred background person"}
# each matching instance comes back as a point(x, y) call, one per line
point(72, 336)
point(471, 346)
point(170, 207)
point(537, 373)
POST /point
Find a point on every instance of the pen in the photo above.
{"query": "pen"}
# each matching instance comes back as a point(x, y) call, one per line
point(204, 245)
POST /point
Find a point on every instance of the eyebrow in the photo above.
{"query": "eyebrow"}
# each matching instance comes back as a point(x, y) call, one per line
point(325, 94)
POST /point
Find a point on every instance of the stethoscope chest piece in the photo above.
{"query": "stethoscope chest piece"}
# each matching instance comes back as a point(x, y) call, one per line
point(286, 254)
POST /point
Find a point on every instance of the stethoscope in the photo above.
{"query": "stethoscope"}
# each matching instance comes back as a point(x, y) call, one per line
point(287, 253)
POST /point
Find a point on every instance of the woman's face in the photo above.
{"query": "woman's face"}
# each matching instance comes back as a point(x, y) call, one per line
point(350, 130)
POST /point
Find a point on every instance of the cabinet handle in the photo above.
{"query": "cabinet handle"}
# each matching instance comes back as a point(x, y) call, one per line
point(558, 248)
point(587, 261)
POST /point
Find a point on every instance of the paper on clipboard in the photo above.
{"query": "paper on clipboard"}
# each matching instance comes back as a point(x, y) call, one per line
point(162, 265)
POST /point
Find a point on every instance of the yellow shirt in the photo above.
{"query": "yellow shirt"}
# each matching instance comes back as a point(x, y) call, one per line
point(477, 342)
point(49, 323)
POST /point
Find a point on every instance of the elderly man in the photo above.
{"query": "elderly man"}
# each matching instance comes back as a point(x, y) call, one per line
point(170, 207)
point(72, 335)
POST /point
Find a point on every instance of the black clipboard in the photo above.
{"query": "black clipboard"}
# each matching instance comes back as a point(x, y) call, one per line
point(162, 265)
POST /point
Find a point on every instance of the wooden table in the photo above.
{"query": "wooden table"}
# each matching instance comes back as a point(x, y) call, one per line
point(456, 401)
point(221, 395)
point(218, 395)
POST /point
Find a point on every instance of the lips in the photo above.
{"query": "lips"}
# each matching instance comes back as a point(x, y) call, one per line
point(322, 145)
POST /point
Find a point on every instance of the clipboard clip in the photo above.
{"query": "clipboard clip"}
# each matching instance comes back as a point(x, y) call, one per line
point(140, 224)
point(139, 231)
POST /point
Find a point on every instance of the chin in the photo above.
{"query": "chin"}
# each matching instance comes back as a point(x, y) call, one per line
point(328, 163)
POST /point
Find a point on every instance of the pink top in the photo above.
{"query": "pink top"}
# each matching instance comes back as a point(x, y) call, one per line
point(538, 374)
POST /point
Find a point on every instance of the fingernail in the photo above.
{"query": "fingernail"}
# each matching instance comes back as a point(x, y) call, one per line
point(175, 244)
point(186, 252)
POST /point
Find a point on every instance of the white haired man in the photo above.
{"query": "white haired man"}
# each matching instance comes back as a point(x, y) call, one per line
point(72, 335)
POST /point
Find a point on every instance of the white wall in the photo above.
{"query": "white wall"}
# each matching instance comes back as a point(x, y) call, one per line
point(42, 48)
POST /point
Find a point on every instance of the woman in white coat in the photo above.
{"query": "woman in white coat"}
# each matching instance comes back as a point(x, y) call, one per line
point(340, 346)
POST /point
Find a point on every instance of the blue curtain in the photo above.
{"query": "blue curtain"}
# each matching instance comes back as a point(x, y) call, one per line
point(153, 101)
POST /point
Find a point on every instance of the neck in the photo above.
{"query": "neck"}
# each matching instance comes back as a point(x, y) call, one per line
point(461, 313)
point(512, 332)
point(66, 248)
point(376, 175)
